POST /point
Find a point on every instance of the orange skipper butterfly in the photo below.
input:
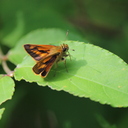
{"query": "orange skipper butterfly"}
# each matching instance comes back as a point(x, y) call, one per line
point(46, 56)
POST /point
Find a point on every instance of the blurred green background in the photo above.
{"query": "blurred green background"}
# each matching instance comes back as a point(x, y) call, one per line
point(103, 23)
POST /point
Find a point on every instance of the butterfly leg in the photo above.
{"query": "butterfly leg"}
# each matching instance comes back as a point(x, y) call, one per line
point(65, 66)
point(63, 59)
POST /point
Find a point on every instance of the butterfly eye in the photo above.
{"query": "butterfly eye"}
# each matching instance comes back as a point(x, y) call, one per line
point(62, 59)
point(64, 49)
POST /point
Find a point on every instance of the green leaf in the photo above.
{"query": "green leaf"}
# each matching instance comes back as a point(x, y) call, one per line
point(40, 36)
point(6, 88)
point(11, 39)
point(92, 72)
point(1, 112)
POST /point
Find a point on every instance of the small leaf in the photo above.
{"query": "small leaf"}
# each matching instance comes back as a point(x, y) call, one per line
point(92, 72)
point(6, 88)
point(1, 112)
point(104, 123)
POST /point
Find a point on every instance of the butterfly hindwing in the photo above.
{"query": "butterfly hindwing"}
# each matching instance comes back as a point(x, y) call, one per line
point(43, 67)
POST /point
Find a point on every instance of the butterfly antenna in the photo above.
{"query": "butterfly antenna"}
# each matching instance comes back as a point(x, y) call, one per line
point(67, 35)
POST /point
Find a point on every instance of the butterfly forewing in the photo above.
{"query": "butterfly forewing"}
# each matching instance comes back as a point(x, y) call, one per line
point(38, 52)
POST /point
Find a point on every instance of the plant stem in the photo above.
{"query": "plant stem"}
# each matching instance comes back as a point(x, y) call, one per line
point(3, 59)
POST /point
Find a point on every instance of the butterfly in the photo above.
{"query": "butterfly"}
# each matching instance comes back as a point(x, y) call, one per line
point(46, 56)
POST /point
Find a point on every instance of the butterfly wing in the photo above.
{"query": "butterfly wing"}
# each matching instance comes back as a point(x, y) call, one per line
point(43, 67)
point(38, 52)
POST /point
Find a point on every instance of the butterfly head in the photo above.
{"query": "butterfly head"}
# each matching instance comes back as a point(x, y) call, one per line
point(64, 47)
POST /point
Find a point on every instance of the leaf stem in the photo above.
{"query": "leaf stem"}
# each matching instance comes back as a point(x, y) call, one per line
point(3, 59)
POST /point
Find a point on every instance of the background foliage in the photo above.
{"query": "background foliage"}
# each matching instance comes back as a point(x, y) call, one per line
point(103, 23)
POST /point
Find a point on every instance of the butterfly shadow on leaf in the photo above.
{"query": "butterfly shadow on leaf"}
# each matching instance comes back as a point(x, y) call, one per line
point(62, 72)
